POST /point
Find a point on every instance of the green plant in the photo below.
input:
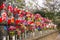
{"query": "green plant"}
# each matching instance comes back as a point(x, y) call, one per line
point(42, 13)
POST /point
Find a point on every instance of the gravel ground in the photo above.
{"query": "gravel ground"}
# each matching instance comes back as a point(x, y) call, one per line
point(54, 36)
point(58, 37)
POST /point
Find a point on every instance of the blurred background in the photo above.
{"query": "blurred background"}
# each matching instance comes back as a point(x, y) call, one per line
point(31, 19)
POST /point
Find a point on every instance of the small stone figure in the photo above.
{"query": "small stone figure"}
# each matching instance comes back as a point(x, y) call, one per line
point(1, 33)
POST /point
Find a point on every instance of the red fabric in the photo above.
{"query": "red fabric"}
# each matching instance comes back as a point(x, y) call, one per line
point(17, 26)
point(18, 11)
point(17, 21)
point(12, 28)
point(3, 5)
point(0, 20)
point(9, 21)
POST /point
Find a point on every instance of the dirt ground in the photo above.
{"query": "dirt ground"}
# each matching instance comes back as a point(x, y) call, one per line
point(54, 36)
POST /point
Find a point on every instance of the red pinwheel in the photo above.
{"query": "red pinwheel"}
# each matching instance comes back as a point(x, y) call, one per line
point(16, 10)
point(21, 15)
point(18, 21)
point(30, 22)
point(37, 16)
point(21, 21)
point(25, 22)
point(2, 6)
point(28, 14)
point(31, 15)
point(23, 12)
point(10, 8)
point(43, 25)
point(4, 16)
point(45, 20)
point(12, 28)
